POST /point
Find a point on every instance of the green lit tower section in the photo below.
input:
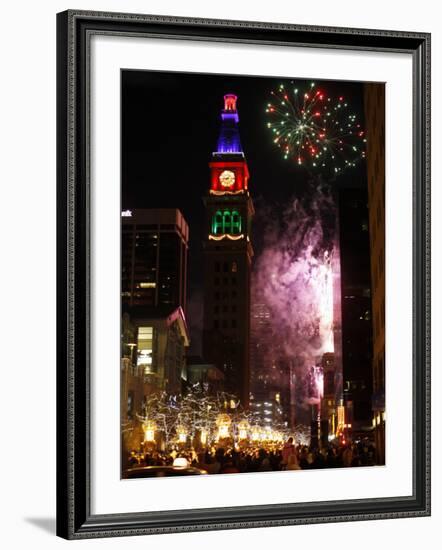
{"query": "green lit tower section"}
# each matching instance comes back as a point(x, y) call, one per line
point(228, 256)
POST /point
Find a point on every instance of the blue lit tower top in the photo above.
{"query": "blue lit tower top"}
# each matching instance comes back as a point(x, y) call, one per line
point(229, 172)
point(229, 141)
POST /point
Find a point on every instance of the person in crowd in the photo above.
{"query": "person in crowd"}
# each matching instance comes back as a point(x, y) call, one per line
point(255, 458)
point(287, 451)
point(213, 466)
point(347, 456)
point(293, 463)
point(229, 467)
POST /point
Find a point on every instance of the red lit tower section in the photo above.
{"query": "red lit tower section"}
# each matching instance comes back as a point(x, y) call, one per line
point(228, 256)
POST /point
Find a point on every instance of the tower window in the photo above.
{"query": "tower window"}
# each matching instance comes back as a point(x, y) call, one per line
point(130, 404)
point(236, 223)
point(228, 221)
point(217, 223)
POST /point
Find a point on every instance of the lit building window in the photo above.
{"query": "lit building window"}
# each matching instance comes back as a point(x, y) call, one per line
point(226, 222)
point(130, 403)
point(145, 348)
point(217, 223)
point(235, 223)
point(230, 102)
point(147, 284)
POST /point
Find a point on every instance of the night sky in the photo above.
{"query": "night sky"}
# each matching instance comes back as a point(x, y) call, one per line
point(170, 126)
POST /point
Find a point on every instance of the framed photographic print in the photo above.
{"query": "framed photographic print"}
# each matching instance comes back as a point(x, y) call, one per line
point(243, 274)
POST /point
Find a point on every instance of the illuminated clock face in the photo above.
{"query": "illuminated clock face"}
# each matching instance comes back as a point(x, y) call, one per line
point(227, 178)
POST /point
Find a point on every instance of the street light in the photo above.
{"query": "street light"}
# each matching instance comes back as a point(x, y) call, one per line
point(182, 434)
point(256, 433)
point(149, 430)
point(131, 345)
point(223, 422)
point(243, 428)
point(203, 436)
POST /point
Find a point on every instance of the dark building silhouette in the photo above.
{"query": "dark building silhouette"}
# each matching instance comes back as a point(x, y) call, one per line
point(227, 258)
point(153, 293)
point(154, 333)
point(269, 369)
point(154, 258)
point(356, 306)
point(330, 401)
point(374, 102)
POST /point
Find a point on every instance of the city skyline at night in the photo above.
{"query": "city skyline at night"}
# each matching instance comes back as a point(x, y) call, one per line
point(274, 280)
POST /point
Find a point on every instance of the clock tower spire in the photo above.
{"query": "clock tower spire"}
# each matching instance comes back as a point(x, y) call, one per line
point(229, 172)
point(228, 256)
point(229, 140)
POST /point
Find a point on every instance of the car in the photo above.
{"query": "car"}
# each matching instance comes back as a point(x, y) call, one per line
point(161, 471)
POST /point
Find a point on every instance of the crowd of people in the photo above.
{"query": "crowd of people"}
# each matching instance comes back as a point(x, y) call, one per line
point(255, 459)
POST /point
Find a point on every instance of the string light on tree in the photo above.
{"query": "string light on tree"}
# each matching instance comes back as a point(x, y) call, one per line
point(206, 420)
point(318, 132)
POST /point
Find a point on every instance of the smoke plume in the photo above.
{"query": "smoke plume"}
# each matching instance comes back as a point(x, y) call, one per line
point(293, 277)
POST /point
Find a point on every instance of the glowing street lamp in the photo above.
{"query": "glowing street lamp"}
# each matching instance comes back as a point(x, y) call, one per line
point(131, 346)
point(223, 422)
point(182, 434)
point(243, 428)
point(256, 433)
point(203, 436)
point(149, 431)
point(341, 417)
point(267, 434)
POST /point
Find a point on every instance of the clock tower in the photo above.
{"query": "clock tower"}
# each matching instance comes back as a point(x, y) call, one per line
point(227, 258)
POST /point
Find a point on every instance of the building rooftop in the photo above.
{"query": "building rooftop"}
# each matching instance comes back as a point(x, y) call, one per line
point(160, 217)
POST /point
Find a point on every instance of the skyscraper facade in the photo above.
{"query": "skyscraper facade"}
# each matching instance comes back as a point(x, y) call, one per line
point(227, 258)
point(356, 306)
point(374, 102)
point(154, 258)
point(154, 333)
point(270, 369)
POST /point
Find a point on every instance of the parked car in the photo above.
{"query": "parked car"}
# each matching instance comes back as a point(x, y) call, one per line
point(161, 471)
